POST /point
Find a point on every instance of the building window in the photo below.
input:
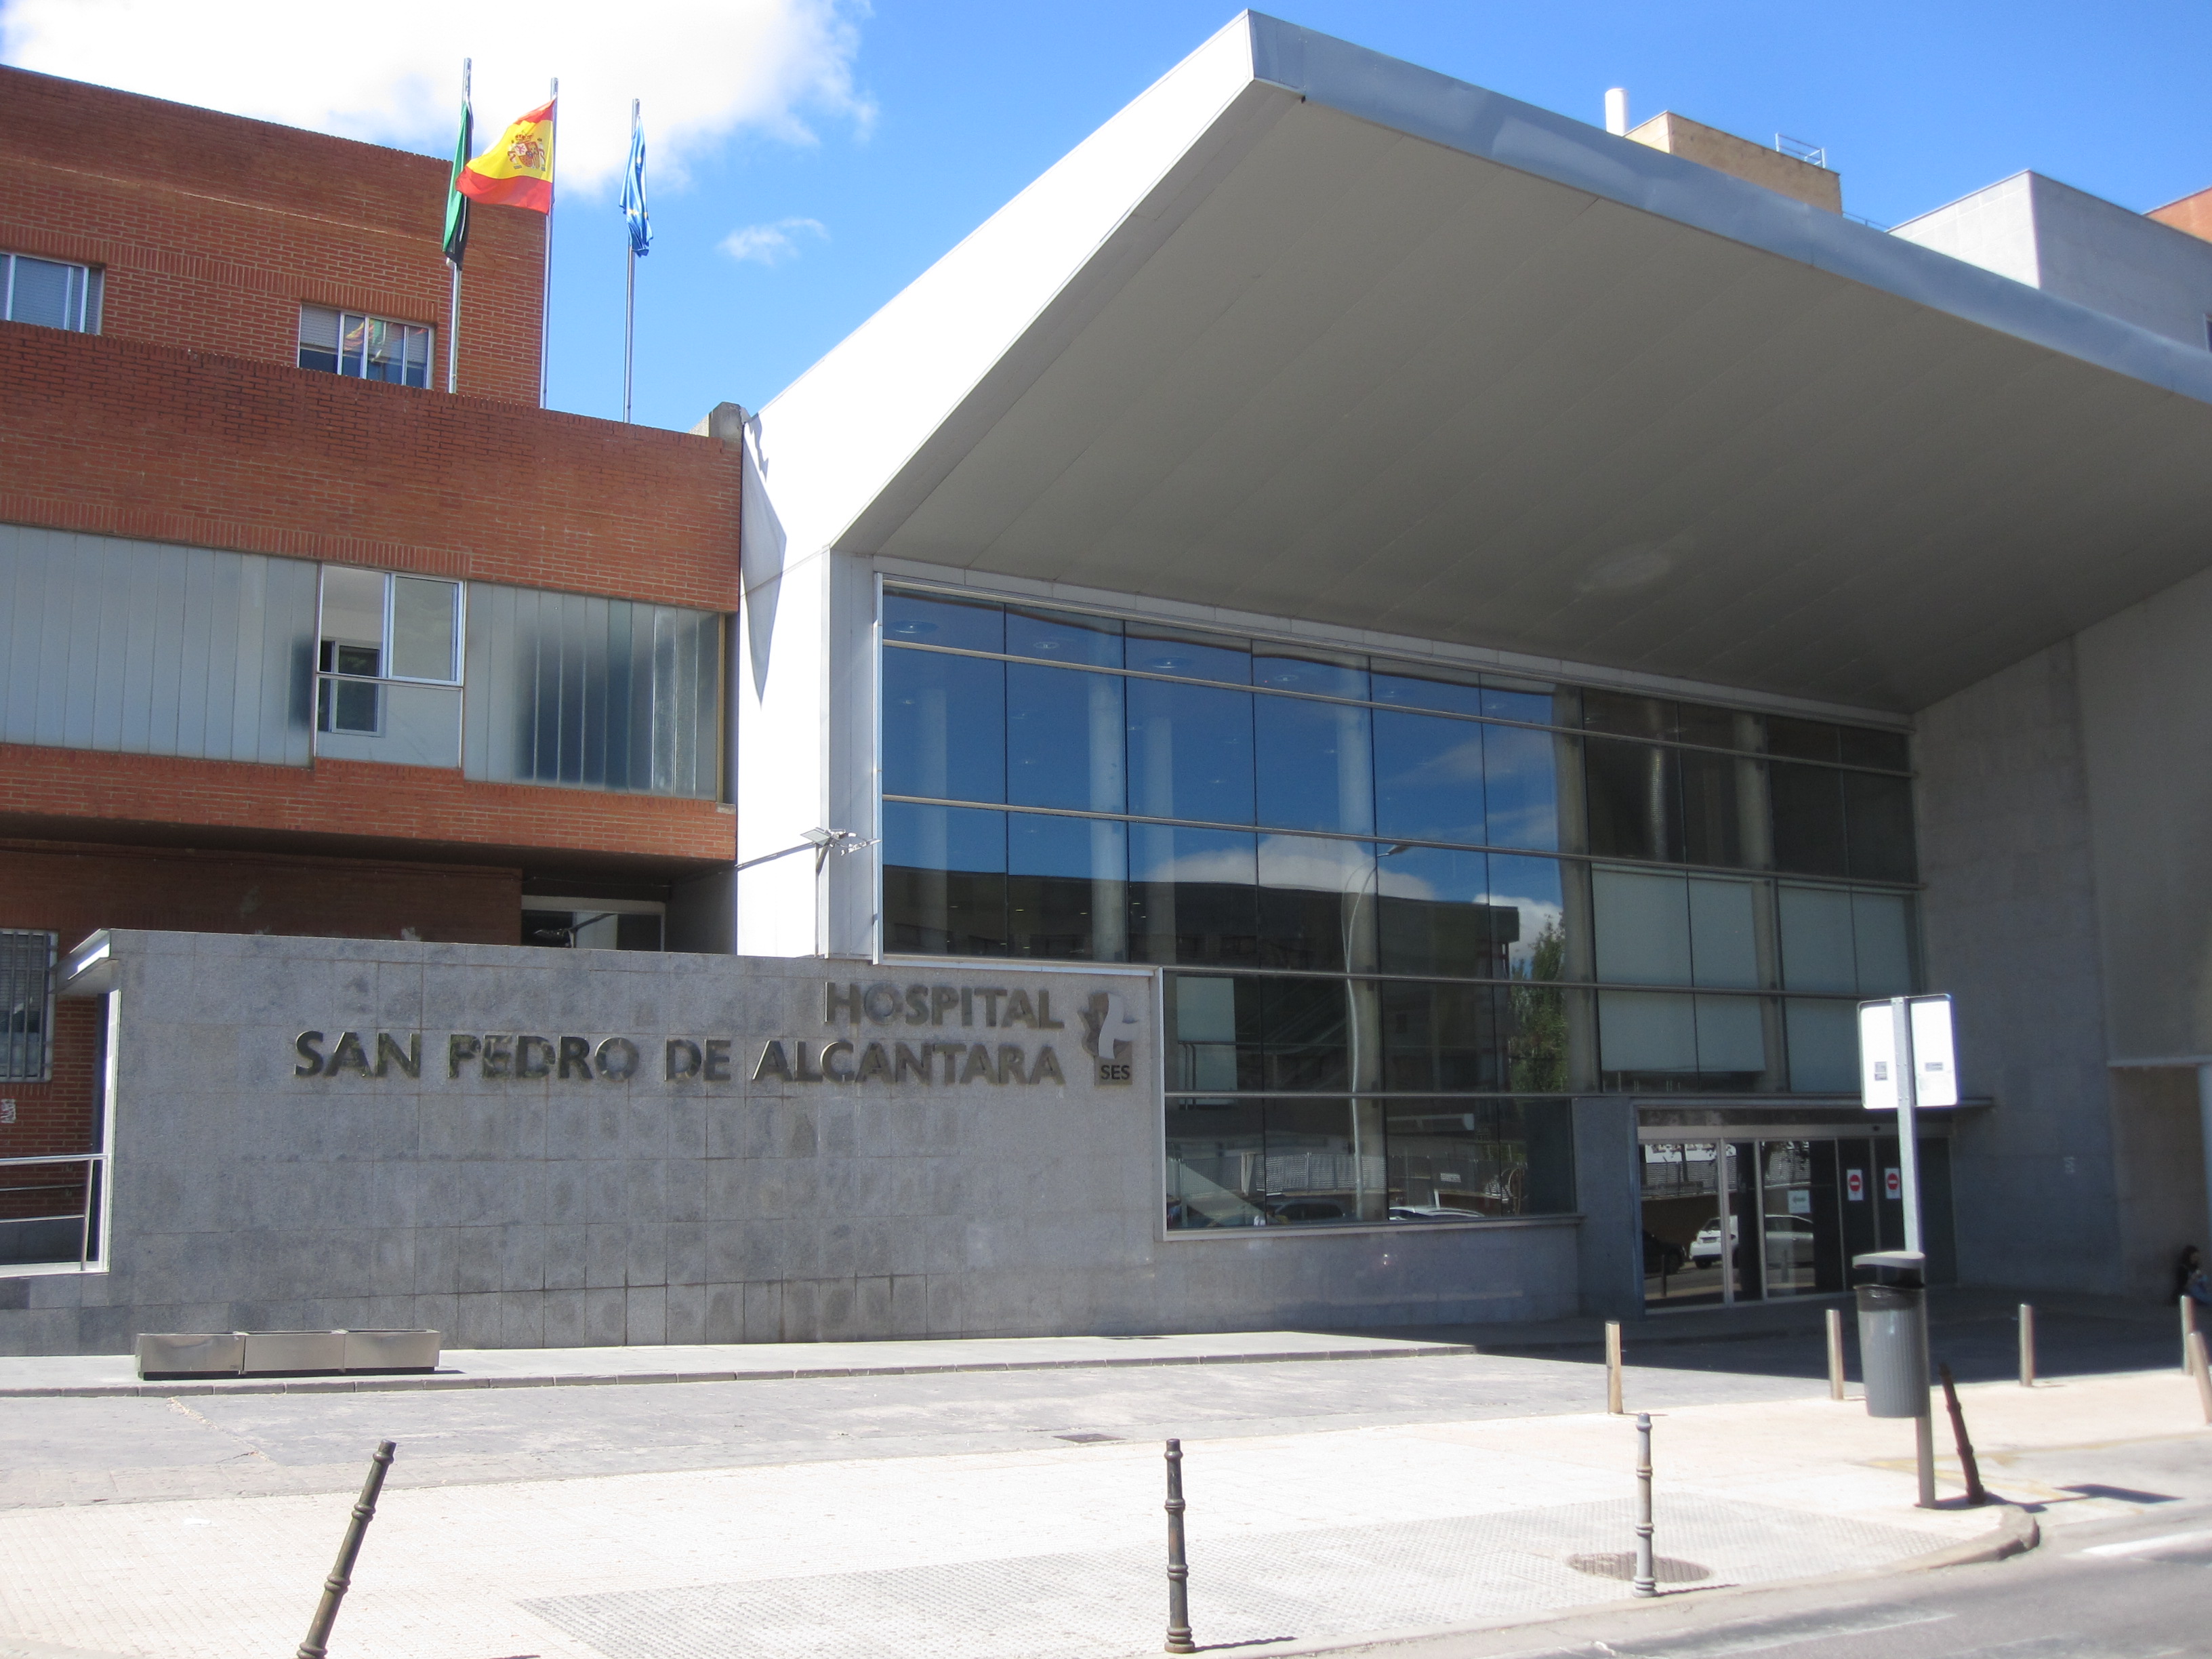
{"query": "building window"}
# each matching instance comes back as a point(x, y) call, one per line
point(366, 347)
point(50, 293)
point(26, 1006)
point(1390, 881)
point(589, 693)
point(388, 668)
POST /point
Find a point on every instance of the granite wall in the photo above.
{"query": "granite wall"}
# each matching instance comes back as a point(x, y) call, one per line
point(646, 1169)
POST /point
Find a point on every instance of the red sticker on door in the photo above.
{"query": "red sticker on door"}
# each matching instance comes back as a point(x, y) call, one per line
point(1893, 1184)
point(1855, 1185)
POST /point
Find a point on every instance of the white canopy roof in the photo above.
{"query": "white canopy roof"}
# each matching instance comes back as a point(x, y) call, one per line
point(1310, 331)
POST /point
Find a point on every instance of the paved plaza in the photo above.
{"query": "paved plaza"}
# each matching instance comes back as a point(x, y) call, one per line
point(1009, 1511)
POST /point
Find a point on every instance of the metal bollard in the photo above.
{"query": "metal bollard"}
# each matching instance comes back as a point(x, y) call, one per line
point(2200, 1370)
point(2188, 1330)
point(1612, 1367)
point(2027, 1346)
point(1835, 1353)
point(1178, 1569)
point(1975, 1491)
point(316, 1646)
point(1647, 1579)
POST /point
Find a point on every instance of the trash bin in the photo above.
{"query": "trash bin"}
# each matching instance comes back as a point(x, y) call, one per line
point(1892, 1301)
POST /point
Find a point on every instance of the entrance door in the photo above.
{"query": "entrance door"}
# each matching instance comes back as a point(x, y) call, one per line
point(1685, 1248)
point(1804, 1242)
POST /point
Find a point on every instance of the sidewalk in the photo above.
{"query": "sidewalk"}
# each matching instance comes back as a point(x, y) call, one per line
point(1056, 1553)
point(105, 1376)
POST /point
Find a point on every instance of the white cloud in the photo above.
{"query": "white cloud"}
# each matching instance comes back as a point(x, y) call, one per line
point(770, 245)
point(705, 68)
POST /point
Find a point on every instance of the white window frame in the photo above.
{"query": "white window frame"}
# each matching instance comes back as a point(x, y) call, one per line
point(407, 331)
point(88, 297)
point(385, 652)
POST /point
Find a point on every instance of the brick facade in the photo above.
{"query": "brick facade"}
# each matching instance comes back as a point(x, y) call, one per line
point(124, 439)
point(2191, 214)
point(213, 230)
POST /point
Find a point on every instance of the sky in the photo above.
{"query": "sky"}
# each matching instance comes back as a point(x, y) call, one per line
point(808, 158)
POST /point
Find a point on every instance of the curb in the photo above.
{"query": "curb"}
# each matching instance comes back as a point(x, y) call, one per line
point(638, 1379)
point(2016, 1534)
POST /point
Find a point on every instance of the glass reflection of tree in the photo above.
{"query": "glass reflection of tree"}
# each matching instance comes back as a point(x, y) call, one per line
point(1538, 1046)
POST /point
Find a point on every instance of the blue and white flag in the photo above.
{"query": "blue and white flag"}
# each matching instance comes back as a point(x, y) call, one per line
point(635, 217)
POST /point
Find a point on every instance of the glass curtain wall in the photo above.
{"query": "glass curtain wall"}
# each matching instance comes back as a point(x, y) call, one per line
point(1409, 906)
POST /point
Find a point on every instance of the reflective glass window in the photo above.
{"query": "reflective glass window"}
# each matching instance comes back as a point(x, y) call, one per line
point(424, 634)
point(1428, 776)
point(1538, 705)
point(1440, 690)
point(1456, 1159)
point(1316, 909)
point(1443, 1037)
point(1063, 636)
point(1065, 736)
point(1626, 715)
point(1862, 746)
point(1521, 787)
point(1635, 800)
point(1535, 891)
point(1716, 790)
point(1216, 1164)
point(1190, 751)
point(944, 726)
point(1643, 927)
point(1812, 741)
point(945, 880)
point(1716, 728)
point(1323, 673)
point(1067, 887)
point(1881, 944)
point(1817, 951)
point(1538, 1049)
point(1807, 803)
point(1731, 1038)
point(928, 619)
point(1655, 1039)
point(1203, 1050)
point(1878, 826)
point(1302, 1030)
point(1435, 915)
point(1316, 765)
point(1824, 1046)
point(1193, 655)
point(1724, 938)
point(1193, 896)
point(1317, 1171)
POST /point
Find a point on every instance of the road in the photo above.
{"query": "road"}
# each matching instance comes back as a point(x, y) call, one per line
point(2128, 1589)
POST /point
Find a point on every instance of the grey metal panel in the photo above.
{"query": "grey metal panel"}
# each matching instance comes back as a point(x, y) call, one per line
point(593, 693)
point(141, 647)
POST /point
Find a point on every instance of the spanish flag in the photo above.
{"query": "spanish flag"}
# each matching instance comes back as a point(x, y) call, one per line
point(518, 170)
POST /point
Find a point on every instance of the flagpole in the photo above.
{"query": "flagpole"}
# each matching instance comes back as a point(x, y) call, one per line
point(545, 303)
point(454, 308)
point(630, 291)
